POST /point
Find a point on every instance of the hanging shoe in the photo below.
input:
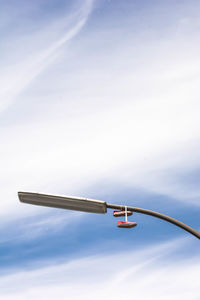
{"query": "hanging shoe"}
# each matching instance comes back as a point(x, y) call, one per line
point(121, 213)
point(126, 224)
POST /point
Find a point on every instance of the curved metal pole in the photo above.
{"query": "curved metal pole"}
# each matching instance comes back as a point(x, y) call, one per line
point(157, 215)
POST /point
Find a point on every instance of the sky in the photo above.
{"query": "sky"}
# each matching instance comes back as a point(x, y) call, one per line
point(99, 99)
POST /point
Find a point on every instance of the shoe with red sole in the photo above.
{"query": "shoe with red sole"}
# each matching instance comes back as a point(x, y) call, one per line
point(126, 224)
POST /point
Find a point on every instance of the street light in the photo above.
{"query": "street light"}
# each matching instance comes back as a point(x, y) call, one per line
point(72, 203)
point(94, 206)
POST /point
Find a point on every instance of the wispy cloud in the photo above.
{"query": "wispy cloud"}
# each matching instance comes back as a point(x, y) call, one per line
point(114, 114)
point(31, 228)
point(113, 104)
point(16, 77)
point(144, 273)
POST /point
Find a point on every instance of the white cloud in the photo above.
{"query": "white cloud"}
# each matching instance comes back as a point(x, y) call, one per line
point(141, 143)
point(32, 228)
point(17, 76)
point(127, 114)
point(112, 109)
point(143, 274)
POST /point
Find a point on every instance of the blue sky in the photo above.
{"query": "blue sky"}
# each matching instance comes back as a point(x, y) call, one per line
point(99, 99)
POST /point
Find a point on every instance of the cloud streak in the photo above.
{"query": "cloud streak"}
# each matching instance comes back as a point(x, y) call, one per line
point(17, 77)
point(144, 274)
point(109, 112)
point(120, 115)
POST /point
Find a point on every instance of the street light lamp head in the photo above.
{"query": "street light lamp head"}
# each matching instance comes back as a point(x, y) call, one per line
point(68, 202)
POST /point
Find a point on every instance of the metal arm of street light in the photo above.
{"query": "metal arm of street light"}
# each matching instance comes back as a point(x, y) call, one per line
point(157, 215)
point(94, 206)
